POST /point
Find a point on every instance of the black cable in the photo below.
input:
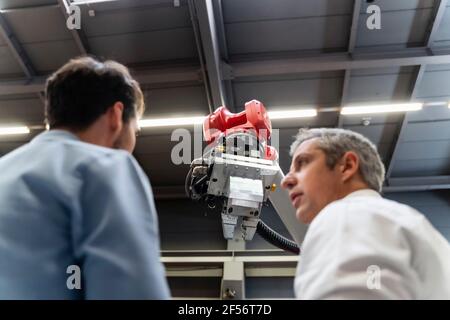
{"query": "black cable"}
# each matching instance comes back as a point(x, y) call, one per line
point(276, 239)
point(187, 181)
point(200, 181)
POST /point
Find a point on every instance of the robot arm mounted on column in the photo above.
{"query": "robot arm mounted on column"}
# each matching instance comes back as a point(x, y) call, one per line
point(239, 172)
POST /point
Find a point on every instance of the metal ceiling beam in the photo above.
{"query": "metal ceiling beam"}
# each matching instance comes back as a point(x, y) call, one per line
point(417, 181)
point(169, 75)
point(220, 28)
point(78, 35)
point(19, 53)
point(344, 98)
point(438, 16)
point(13, 44)
point(404, 123)
point(434, 26)
point(223, 48)
point(148, 77)
point(354, 28)
point(428, 187)
point(204, 13)
point(418, 184)
point(351, 48)
point(325, 62)
point(335, 62)
point(22, 87)
point(201, 58)
point(104, 5)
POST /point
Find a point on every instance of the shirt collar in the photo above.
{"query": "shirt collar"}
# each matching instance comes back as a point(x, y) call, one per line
point(55, 134)
point(363, 193)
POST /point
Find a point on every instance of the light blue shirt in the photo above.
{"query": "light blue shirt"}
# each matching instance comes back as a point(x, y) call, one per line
point(67, 203)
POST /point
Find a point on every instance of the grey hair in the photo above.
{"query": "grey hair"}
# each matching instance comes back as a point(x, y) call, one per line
point(336, 142)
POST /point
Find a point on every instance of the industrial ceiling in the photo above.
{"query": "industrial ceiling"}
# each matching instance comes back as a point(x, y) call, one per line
point(193, 56)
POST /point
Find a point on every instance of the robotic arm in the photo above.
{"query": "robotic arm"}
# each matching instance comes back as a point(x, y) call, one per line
point(239, 172)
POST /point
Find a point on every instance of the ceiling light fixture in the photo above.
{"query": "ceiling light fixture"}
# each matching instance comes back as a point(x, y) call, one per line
point(14, 130)
point(82, 2)
point(273, 115)
point(387, 108)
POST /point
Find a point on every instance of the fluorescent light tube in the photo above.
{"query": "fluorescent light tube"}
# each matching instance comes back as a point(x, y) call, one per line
point(82, 2)
point(14, 130)
point(166, 122)
point(401, 107)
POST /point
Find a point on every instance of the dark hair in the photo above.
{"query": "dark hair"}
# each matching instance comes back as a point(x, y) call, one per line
point(84, 88)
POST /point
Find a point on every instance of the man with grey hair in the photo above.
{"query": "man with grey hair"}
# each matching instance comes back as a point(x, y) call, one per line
point(359, 245)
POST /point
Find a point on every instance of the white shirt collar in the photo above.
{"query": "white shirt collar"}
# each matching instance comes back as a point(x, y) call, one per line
point(56, 134)
point(363, 193)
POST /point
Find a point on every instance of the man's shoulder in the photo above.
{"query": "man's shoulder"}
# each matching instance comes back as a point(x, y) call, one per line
point(353, 210)
point(90, 152)
point(363, 219)
point(56, 148)
point(94, 159)
point(65, 156)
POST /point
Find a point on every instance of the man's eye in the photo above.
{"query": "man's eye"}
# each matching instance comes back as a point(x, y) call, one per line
point(301, 162)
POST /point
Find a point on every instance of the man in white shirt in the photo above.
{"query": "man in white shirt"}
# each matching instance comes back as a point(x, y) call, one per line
point(359, 245)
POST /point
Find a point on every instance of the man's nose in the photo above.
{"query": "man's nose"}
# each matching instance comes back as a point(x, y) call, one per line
point(288, 181)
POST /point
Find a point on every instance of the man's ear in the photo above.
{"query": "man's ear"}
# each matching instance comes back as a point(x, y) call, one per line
point(115, 116)
point(349, 165)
